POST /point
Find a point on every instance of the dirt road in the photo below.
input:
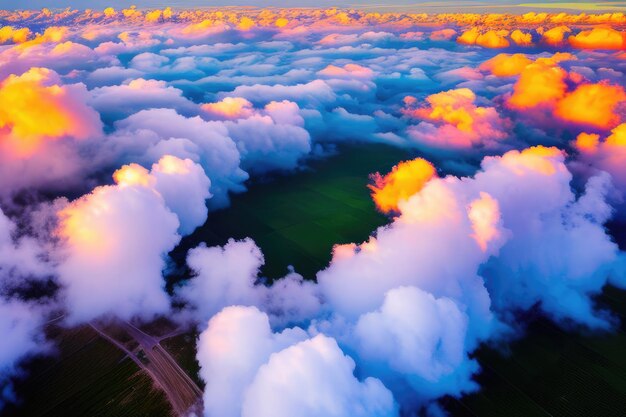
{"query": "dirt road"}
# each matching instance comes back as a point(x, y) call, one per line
point(182, 392)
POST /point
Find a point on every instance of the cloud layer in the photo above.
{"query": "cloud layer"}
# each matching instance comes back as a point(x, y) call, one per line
point(123, 129)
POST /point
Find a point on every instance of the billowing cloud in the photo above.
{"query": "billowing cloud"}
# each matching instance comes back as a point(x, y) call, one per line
point(119, 101)
point(598, 38)
point(229, 275)
point(488, 39)
point(41, 121)
point(592, 104)
point(148, 135)
point(279, 386)
point(605, 154)
point(507, 219)
point(115, 239)
point(251, 372)
point(36, 107)
point(452, 120)
point(537, 85)
point(406, 179)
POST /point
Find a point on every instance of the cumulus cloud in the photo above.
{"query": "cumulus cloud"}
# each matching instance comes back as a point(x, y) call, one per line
point(115, 240)
point(598, 38)
point(118, 101)
point(148, 135)
point(543, 84)
point(40, 122)
point(314, 92)
point(604, 154)
point(506, 219)
point(405, 179)
point(592, 104)
point(265, 381)
point(452, 120)
point(229, 275)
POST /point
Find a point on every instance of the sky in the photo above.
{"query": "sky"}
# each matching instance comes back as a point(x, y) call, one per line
point(396, 5)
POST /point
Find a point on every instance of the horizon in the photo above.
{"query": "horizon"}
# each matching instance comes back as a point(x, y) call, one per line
point(398, 6)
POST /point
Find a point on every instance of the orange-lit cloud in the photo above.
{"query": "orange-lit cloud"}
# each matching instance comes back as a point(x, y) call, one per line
point(599, 38)
point(539, 159)
point(592, 104)
point(52, 34)
point(490, 39)
point(35, 106)
point(9, 33)
point(229, 108)
point(590, 142)
point(556, 35)
point(605, 154)
point(521, 38)
point(538, 84)
point(506, 65)
point(404, 180)
point(460, 122)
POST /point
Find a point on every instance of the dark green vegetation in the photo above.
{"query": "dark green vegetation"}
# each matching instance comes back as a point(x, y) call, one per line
point(296, 220)
point(552, 372)
point(87, 376)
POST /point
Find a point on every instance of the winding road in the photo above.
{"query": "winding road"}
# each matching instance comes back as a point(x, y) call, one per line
point(182, 392)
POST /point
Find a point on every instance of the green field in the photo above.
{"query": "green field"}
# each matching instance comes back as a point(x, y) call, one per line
point(295, 220)
point(86, 376)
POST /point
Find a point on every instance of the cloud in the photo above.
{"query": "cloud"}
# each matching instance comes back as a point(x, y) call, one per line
point(598, 38)
point(442, 34)
point(264, 381)
point(229, 275)
point(538, 84)
point(21, 262)
point(502, 226)
point(22, 323)
point(556, 35)
point(230, 351)
point(14, 35)
point(489, 39)
point(592, 105)
point(42, 124)
point(406, 179)
point(36, 107)
point(506, 65)
point(148, 135)
point(452, 120)
point(182, 184)
point(278, 389)
point(224, 276)
point(115, 240)
point(314, 92)
point(606, 154)
point(229, 108)
point(119, 101)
